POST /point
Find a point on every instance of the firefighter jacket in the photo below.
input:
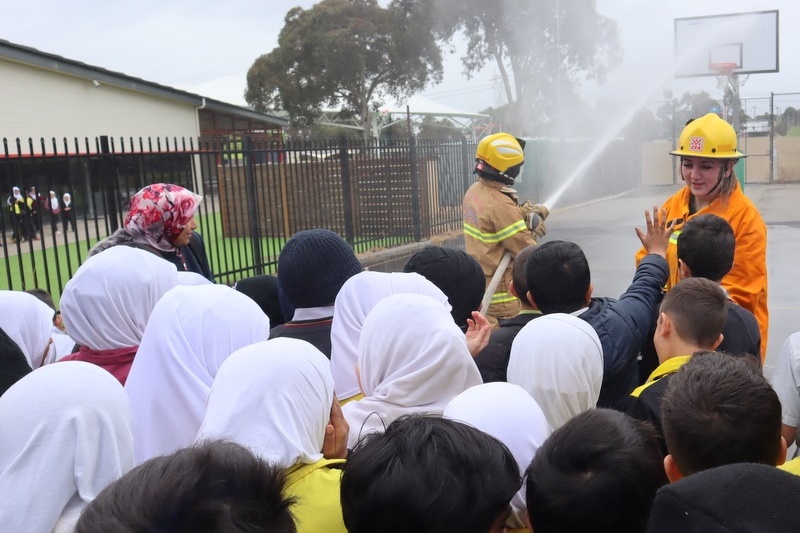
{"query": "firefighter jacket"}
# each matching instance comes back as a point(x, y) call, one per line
point(495, 224)
point(746, 283)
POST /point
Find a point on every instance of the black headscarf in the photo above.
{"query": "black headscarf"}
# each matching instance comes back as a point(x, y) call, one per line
point(263, 290)
point(456, 273)
point(13, 365)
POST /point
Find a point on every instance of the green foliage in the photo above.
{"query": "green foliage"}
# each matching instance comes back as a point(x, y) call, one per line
point(678, 111)
point(542, 49)
point(346, 54)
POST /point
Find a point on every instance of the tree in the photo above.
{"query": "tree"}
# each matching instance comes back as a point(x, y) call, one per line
point(677, 112)
point(542, 49)
point(346, 54)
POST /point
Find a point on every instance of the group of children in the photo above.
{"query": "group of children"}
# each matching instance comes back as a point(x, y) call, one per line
point(335, 399)
point(26, 213)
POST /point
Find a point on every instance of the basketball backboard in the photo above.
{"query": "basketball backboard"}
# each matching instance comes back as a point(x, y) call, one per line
point(750, 40)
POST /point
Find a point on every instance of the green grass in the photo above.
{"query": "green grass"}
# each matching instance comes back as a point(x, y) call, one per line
point(226, 254)
point(793, 132)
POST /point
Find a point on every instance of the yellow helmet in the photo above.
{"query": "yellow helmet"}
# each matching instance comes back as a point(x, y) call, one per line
point(499, 157)
point(708, 136)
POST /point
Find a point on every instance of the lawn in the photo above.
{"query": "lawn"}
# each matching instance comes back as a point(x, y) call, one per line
point(231, 258)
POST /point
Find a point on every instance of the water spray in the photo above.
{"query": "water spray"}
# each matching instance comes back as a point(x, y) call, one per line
point(617, 127)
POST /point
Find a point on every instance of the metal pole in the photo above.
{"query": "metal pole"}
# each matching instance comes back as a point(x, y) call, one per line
point(347, 191)
point(107, 180)
point(252, 203)
point(771, 137)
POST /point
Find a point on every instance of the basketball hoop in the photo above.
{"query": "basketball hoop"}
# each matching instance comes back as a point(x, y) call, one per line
point(724, 74)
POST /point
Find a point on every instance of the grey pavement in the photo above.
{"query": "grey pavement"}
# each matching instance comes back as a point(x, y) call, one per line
point(605, 230)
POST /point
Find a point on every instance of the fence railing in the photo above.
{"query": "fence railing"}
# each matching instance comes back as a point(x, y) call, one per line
point(256, 195)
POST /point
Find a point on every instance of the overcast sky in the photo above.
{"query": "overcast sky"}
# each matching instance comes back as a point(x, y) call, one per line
point(207, 46)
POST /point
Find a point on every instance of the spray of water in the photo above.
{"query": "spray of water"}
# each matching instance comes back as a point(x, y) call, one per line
point(616, 126)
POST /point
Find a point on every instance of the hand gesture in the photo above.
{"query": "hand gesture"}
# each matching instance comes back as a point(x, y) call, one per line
point(335, 444)
point(478, 333)
point(656, 240)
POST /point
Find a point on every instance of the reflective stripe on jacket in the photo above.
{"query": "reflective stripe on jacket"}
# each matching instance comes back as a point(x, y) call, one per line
point(494, 225)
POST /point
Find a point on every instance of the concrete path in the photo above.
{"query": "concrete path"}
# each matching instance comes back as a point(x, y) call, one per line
point(604, 229)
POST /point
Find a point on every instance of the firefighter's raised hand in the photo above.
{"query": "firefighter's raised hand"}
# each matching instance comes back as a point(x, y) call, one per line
point(478, 332)
point(656, 239)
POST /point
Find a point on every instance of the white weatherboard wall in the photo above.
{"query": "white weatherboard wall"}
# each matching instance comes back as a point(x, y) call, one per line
point(39, 103)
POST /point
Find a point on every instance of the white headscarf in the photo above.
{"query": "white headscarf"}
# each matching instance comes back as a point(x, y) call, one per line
point(509, 414)
point(558, 359)
point(106, 304)
point(355, 300)
point(28, 321)
point(15, 193)
point(275, 398)
point(67, 199)
point(412, 358)
point(192, 330)
point(53, 201)
point(65, 433)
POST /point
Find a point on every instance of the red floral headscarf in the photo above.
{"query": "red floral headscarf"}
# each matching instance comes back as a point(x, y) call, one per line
point(159, 212)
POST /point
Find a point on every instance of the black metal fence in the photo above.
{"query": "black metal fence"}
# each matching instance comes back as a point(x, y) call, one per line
point(256, 195)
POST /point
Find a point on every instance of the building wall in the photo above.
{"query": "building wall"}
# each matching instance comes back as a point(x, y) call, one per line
point(656, 163)
point(38, 103)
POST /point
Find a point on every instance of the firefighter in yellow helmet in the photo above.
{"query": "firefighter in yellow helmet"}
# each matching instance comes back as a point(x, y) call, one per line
point(496, 226)
point(708, 150)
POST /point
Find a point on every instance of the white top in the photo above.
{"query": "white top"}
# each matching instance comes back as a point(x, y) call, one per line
point(412, 358)
point(355, 300)
point(65, 433)
point(192, 330)
point(28, 321)
point(275, 398)
point(106, 304)
point(786, 380)
point(558, 359)
point(509, 414)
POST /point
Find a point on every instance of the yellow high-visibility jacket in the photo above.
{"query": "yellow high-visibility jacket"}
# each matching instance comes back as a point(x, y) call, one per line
point(746, 283)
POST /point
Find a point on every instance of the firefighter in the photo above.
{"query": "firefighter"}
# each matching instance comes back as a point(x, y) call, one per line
point(496, 226)
point(708, 149)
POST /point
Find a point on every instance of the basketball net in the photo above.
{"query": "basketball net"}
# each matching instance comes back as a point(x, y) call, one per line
point(725, 75)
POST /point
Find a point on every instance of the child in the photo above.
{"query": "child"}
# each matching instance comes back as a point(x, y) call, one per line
point(692, 316)
point(428, 474)
point(599, 472)
point(719, 410)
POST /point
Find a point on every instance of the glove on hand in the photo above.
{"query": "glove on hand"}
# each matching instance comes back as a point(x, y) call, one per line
point(541, 210)
point(536, 224)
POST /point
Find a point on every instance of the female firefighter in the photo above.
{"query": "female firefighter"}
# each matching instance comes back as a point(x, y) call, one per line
point(707, 148)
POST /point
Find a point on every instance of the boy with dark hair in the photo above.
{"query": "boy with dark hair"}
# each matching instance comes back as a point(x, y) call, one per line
point(428, 475)
point(691, 320)
point(598, 472)
point(559, 281)
point(492, 361)
point(706, 247)
point(719, 409)
point(213, 487)
point(312, 267)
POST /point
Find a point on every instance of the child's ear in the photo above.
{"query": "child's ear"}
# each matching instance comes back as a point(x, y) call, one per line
point(531, 300)
point(512, 290)
point(664, 325)
point(683, 270)
point(782, 453)
point(718, 341)
point(671, 468)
